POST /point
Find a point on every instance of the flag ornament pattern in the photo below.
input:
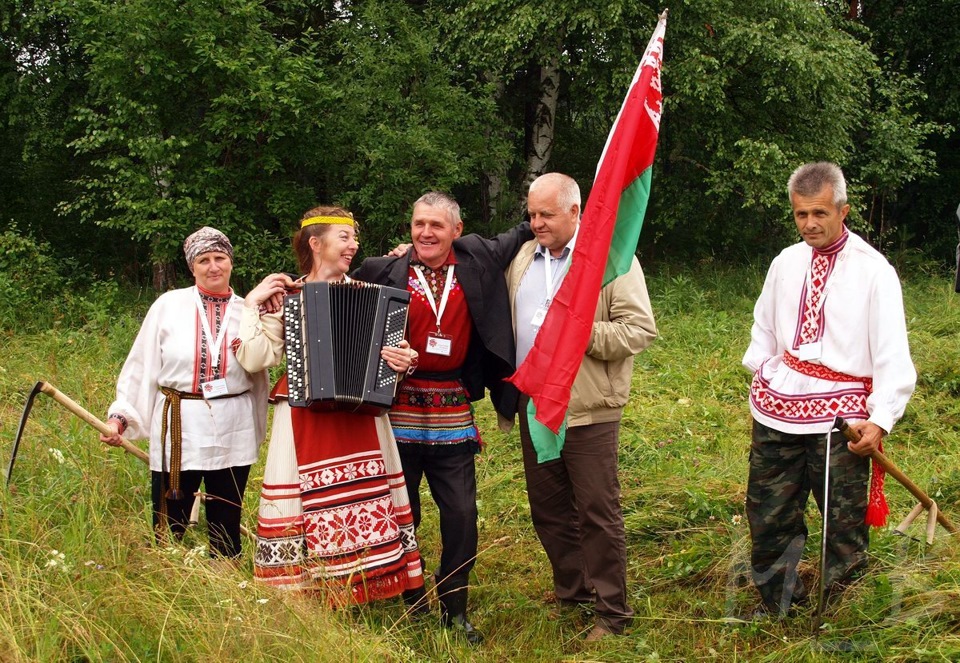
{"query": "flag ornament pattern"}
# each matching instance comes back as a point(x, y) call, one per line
point(606, 243)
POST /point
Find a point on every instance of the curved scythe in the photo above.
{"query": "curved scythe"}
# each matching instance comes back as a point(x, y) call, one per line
point(80, 411)
point(74, 407)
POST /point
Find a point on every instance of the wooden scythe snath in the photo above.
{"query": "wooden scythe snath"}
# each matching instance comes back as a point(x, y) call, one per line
point(935, 515)
point(77, 409)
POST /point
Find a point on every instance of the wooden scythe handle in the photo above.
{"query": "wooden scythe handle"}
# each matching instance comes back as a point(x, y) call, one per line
point(78, 410)
point(897, 474)
point(129, 447)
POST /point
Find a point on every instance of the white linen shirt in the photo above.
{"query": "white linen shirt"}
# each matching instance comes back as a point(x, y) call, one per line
point(864, 335)
point(217, 433)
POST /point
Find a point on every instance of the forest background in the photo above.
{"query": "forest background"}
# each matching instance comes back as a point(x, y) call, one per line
point(125, 125)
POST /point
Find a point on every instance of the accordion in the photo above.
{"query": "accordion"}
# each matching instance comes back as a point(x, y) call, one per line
point(334, 333)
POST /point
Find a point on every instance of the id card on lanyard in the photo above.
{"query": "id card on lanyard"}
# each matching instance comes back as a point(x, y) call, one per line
point(438, 343)
point(549, 287)
point(218, 387)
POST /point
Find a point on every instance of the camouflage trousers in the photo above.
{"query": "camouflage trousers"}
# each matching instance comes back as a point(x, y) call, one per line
point(784, 469)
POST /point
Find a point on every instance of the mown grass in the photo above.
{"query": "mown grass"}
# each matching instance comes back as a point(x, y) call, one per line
point(112, 596)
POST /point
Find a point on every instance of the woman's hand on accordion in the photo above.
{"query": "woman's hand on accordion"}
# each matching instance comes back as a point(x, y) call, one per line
point(268, 295)
point(402, 358)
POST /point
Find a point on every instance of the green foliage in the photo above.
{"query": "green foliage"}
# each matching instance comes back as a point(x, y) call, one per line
point(406, 123)
point(38, 292)
point(196, 117)
point(128, 125)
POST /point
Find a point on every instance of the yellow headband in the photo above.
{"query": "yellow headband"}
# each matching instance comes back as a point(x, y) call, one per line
point(332, 220)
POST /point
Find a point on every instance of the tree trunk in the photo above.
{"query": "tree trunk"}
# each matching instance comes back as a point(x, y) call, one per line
point(164, 274)
point(541, 134)
point(491, 188)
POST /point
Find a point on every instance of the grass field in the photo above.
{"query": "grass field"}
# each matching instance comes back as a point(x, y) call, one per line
point(80, 580)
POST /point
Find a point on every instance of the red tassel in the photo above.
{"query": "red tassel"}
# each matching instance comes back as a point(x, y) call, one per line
point(877, 509)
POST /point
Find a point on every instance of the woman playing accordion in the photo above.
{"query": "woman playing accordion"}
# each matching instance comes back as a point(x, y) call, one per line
point(334, 512)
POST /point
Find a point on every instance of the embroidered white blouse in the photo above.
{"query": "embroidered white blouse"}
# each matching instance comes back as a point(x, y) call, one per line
point(217, 433)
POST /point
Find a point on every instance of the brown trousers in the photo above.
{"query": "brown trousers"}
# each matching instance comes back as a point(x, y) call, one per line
point(575, 507)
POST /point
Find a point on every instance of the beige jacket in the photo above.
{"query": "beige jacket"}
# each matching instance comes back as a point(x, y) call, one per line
point(623, 326)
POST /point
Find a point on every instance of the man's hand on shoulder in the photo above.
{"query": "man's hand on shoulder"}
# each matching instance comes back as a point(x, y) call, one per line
point(399, 251)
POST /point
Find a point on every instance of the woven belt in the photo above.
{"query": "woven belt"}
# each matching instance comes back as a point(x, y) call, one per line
point(820, 371)
point(877, 508)
point(171, 409)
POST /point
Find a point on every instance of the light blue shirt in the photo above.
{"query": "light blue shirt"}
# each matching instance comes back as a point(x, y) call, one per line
point(532, 293)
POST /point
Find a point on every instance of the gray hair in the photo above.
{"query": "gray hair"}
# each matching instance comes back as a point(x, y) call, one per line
point(444, 201)
point(810, 178)
point(568, 191)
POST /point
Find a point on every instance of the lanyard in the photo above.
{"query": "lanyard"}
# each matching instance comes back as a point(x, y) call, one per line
point(207, 334)
point(429, 294)
point(550, 281)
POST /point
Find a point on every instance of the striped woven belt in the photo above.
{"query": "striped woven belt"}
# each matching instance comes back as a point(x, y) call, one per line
point(171, 410)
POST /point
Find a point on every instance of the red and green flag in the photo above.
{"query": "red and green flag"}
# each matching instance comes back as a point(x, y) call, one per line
point(606, 243)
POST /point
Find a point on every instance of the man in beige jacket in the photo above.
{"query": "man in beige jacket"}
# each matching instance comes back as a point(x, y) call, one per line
point(575, 498)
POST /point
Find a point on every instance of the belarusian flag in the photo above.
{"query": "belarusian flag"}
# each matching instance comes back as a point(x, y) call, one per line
point(607, 240)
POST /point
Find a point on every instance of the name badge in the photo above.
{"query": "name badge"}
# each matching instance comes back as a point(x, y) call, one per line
point(439, 345)
point(809, 351)
point(539, 316)
point(214, 388)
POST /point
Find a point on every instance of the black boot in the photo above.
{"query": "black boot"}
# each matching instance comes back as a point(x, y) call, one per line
point(416, 601)
point(453, 614)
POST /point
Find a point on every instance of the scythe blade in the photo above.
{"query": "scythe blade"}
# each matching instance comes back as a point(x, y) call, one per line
point(23, 424)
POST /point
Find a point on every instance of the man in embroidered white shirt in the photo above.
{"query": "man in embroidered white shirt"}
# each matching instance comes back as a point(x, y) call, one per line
point(829, 339)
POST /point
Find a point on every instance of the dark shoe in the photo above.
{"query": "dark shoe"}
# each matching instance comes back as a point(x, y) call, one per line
point(417, 602)
point(460, 623)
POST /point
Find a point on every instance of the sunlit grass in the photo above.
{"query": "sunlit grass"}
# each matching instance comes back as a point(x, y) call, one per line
point(113, 596)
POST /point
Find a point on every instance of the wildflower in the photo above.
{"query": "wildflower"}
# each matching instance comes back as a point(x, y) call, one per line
point(242, 584)
point(262, 601)
point(56, 454)
point(195, 555)
point(58, 560)
point(736, 519)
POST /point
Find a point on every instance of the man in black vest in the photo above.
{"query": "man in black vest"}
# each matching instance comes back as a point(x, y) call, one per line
point(459, 323)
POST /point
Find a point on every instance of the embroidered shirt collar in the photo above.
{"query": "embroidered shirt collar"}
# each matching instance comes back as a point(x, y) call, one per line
point(837, 245)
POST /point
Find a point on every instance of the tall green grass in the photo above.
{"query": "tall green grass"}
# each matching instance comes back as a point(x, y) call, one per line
point(80, 579)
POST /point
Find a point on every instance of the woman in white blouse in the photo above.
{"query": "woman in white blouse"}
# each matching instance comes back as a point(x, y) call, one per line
point(182, 387)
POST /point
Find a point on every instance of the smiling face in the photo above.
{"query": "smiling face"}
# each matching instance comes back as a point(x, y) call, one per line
point(819, 219)
point(211, 271)
point(333, 251)
point(433, 233)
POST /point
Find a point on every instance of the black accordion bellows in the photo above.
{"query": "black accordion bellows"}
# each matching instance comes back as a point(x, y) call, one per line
point(334, 333)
